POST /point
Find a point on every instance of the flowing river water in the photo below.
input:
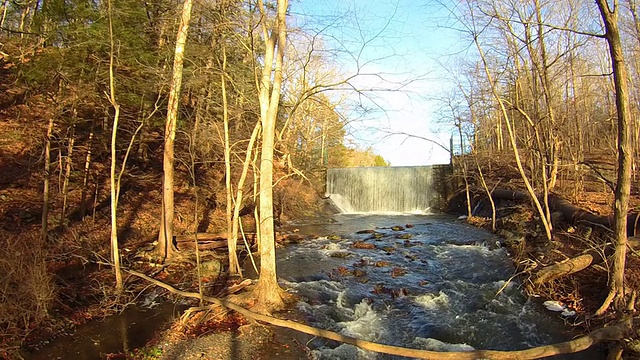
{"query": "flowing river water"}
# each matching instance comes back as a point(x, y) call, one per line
point(435, 283)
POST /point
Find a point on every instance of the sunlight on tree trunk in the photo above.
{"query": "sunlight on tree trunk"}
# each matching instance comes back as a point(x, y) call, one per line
point(85, 176)
point(47, 171)
point(623, 186)
point(514, 145)
point(240, 192)
point(4, 13)
point(234, 265)
point(267, 290)
point(67, 174)
point(166, 248)
point(115, 253)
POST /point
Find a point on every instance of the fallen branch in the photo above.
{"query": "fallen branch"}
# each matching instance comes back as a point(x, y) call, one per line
point(566, 267)
point(610, 333)
point(207, 237)
point(205, 245)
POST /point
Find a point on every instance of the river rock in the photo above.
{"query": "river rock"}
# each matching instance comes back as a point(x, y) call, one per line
point(339, 254)
point(359, 273)
point(210, 268)
point(363, 245)
point(366, 232)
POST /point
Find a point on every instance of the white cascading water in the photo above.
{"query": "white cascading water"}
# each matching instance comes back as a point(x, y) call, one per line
point(384, 189)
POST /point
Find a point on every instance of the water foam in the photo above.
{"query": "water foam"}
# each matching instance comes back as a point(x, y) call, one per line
point(342, 352)
point(366, 323)
point(437, 345)
point(433, 302)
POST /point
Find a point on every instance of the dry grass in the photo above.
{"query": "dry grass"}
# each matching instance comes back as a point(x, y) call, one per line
point(27, 289)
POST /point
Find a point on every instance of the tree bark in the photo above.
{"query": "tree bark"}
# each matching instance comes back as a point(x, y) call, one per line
point(67, 174)
point(623, 186)
point(568, 267)
point(85, 176)
point(234, 265)
point(268, 291)
point(45, 191)
point(115, 253)
point(166, 248)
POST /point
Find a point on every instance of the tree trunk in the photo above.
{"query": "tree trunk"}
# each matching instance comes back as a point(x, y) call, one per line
point(512, 138)
point(623, 186)
point(85, 176)
point(115, 253)
point(166, 248)
point(4, 13)
point(45, 191)
point(67, 173)
point(267, 290)
point(240, 191)
point(234, 265)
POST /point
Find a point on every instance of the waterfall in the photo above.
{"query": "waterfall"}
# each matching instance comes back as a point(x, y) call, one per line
point(389, 189)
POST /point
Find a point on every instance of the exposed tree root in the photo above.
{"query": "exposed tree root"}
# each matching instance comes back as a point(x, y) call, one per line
point(610, 333)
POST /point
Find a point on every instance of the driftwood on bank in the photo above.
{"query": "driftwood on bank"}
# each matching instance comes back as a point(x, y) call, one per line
point(567, 267)
point(578, 263)
point(609, 333)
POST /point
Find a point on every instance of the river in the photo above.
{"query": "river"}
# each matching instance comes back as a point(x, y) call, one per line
point(433, 283)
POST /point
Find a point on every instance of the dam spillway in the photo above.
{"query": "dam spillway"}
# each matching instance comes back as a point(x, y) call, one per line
point(390, 189)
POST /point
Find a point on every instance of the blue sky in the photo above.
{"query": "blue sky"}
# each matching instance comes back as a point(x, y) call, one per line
point(393, 42)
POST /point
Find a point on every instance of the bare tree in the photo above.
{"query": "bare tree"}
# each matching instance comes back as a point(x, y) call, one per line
point(166, 248)
point(47, 173)
point(610, 15)
point(509, 124)
point(267, 291)
point(115, 253)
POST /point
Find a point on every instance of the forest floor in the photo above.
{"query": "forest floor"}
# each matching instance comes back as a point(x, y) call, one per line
point(61, 282)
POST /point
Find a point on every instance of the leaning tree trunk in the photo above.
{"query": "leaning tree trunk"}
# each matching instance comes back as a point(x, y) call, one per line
point(512, 138)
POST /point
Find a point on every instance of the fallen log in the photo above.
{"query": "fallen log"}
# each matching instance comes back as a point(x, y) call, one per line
point(210, 237)
point(211, 241)
point(578, 263)
point(567, 267)
point(206, 245)
point(609, 333)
